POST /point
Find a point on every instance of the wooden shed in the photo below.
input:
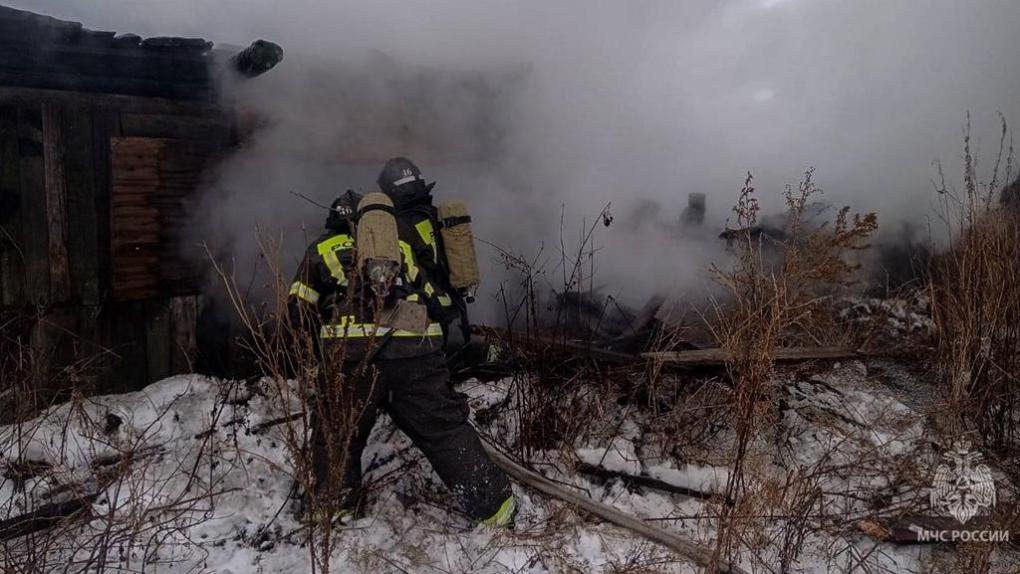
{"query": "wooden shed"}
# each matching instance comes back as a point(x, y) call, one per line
point(104, 140)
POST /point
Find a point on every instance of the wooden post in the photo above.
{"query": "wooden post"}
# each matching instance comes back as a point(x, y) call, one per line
point(105, 124)
point(12, 259)
point(159, 339)
point(184, 320)
point(56, 203)
point(82, 218)
point(34, 227)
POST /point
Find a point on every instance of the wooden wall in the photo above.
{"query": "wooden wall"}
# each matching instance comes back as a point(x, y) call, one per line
point(58, 252)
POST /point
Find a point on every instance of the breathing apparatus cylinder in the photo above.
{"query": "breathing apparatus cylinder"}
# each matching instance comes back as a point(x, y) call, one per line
point(459, 244)
point(377, 243)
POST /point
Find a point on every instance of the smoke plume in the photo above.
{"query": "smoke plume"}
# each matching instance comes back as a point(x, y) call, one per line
point(540, 113)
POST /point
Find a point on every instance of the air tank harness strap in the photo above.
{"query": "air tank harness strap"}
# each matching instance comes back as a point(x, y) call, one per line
point(451, 221)
point(377, 207)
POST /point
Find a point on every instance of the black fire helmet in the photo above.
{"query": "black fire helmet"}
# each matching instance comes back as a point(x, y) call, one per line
point(341, 211)
point(403, 182)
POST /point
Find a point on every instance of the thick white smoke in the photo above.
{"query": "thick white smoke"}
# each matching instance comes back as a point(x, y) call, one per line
point(599, 102)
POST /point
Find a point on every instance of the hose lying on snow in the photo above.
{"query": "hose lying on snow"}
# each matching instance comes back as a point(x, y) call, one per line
point(542, 484)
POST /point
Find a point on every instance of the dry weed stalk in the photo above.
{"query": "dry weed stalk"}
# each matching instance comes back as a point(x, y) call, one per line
point(299, 372)
point(975, 292)
point(547, 389)
point(776, 296)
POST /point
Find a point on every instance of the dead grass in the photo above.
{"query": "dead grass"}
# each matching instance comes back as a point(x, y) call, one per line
point(975, 293)
point(299, 372)
point(776, 295)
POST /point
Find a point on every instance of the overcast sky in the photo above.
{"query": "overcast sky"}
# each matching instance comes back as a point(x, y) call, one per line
point(656, 99)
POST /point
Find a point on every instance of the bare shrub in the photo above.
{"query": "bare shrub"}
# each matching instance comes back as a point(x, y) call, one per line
point(312, 385)
point(18, 363)
point(88, 492)
point(550, 387)
point(776, 295)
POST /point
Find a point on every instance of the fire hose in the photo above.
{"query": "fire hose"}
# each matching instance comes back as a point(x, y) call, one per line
point(685, 548)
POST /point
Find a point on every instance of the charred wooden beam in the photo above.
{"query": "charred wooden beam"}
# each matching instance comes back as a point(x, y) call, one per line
point(257, 59)
point(56, 202)
point(719, 357)
point(44, 517)
point(532, 341)
point(641, 480)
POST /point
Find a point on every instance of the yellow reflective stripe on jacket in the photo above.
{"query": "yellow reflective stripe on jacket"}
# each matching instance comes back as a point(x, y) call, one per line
point(366, 330)
point(304, 292)
point(327, 250)
point(412, 267)
point(428, 235)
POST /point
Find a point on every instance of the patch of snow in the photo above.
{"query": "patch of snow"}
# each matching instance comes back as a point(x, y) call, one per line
point(619, 456)
point(707, 479)
point(211, 492)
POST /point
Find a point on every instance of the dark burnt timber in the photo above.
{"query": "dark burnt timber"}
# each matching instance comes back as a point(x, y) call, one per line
point(257, 59)
point(558, 345)
point(597, 351)
point(105, 141)
point(718, 357)
point(44, 517)
point(635, 480)
point(42, 52)
point(38, 51)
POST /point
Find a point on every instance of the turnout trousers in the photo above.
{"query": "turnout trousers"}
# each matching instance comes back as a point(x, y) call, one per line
point(416, 393)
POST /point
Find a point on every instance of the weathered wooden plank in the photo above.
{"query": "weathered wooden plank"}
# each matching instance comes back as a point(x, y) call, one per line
point(199, 128)
point(554, 344)
point(134, 222)
point(138, 148)
point(162, 88)
point(150, 208)
point(158, 339)
point(45, 516)
point(108, 102)
point(56, 202)
point(124, 335)
point(82, 239)
point(105, 125)
point(92, 359)
point(35, 227)
point(12, 264)
point(642, 480)
point(90, 65)
point(705, 357)
point(184, 319)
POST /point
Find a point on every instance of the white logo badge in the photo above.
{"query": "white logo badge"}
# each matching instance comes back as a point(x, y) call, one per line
point(963, 485)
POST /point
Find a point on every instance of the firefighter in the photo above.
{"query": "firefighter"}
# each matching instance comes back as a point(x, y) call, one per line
point(403, 182)
point(392, 365)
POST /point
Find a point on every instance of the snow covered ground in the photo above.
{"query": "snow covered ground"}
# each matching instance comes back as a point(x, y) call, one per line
point(207, 488)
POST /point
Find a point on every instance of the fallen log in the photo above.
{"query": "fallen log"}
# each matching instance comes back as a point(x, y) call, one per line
point(44, 517)
point(718, 357)
point(694, 357)
point(691, 551)
point(536, 341)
